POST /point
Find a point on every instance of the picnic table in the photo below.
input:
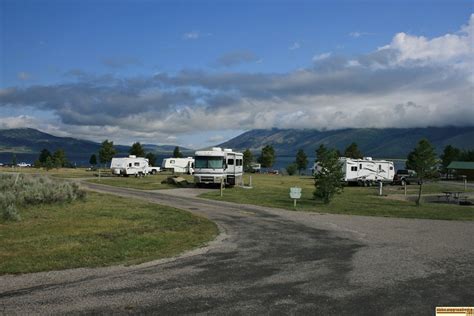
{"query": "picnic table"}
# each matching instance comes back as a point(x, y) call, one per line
point(454, 195)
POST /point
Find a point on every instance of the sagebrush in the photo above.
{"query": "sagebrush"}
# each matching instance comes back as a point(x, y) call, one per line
point(17, 190)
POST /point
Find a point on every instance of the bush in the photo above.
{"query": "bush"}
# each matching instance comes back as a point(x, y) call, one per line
point(10, 213)
point(291, 169)
point(22, 190)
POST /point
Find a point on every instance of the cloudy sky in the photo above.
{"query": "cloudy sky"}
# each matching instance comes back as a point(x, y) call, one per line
point(196, 73)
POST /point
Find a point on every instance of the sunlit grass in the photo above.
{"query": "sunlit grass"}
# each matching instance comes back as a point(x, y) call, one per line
point(273, 191)
point(103, 230)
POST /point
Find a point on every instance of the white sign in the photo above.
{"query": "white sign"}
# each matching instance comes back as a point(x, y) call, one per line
point(295, 193)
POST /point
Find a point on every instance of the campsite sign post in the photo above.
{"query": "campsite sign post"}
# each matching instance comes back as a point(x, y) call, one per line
point(295, 194)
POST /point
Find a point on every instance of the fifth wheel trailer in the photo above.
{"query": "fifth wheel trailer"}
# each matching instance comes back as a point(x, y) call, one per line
point(178, 165)
point(364, 171)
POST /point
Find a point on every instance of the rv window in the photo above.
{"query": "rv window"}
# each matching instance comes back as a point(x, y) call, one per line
point(239, 162)
point(360, 166)
point(380, 167)
point(130, 164)
point(230, 162)
point(391, 168)
point(354, 168)
point(171, 161)
point(136, 164)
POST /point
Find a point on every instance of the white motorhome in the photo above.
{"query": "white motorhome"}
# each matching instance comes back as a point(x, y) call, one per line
point(178, 165)
point(131, 165)
point(217, 164)
point(364, 171)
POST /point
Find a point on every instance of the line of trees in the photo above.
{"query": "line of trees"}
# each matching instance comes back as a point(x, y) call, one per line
point(50, 160)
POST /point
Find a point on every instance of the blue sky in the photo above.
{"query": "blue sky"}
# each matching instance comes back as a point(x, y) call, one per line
point(195, 73)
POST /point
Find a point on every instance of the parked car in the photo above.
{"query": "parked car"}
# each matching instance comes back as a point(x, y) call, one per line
point(405, 176)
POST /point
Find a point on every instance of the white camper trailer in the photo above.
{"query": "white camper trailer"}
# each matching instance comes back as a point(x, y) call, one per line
point(215, 165)
point(131, 165)
point(178, 165)
point(364, 171)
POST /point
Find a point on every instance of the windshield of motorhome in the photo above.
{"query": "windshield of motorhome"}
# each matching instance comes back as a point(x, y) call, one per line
point(209, 162)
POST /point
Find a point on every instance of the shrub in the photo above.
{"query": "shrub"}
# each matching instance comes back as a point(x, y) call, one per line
point(291, 169)
point(21, 190)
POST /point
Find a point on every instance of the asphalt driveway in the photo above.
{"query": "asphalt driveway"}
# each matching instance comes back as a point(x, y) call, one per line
point(270, 261)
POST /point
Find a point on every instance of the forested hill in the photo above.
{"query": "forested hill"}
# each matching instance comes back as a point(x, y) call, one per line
point(381, 143)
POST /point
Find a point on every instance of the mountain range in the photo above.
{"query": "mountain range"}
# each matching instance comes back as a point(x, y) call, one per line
point(380, 143)
point(26, 143)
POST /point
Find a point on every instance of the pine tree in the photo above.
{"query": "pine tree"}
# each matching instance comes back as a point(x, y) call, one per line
point(352, 151)
point(248, 157)
point(177, 153)
point(137, 150)
point(423, 160)
point(328, 180)
point(93, 160)
point(267, 157)
point(106, 151)
point(151, 159)
point(301, 160)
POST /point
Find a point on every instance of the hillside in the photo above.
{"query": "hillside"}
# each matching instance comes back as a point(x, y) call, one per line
point(386, 143)
point(28, 142)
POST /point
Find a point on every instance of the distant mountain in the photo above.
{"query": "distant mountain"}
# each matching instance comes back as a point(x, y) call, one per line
point(382, 143)
point(28, 142)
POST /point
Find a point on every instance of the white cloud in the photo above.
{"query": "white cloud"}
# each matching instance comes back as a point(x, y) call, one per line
point(295, 45)
point(321, 56)
point(443, 49)
point(194, 35)
point(359, 34)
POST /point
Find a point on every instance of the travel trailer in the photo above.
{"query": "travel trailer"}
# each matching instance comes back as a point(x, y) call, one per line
point(178, 165)
point(364, 171)
point(216, 165)
point(131, 165)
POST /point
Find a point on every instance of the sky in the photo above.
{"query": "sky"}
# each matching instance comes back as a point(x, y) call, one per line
point(197, 73)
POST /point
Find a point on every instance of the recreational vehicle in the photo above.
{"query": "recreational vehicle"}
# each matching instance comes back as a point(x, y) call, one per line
point(216, 165)
point(178, 165)
point(131, 165)
point(364, 171)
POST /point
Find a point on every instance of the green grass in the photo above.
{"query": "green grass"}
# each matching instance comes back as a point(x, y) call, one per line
point(151, 182)
point(273, 191)
point(57, 173)
point(103, 230)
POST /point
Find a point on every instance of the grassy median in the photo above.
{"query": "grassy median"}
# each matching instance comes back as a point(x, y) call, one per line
point(101, 230)
point(273, 191)
point(149, 182)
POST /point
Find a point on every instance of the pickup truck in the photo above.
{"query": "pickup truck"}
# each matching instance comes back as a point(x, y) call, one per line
point(152, 170)
point(404, 176)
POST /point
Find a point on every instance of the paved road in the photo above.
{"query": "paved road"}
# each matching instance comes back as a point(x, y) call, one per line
point(269, 261)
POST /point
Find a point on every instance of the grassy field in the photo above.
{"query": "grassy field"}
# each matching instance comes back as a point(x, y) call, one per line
point(151, 182)
point(102, 230)
point(273, 191)
point(57, 173)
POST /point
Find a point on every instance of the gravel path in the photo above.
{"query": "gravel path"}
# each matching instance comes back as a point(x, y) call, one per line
point(271, 261)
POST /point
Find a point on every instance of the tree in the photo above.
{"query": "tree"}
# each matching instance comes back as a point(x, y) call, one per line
point(291, 169)
point(137, 150)
point(328, 180)
point(449, 155)
point(267, 158)
point(93, 160)
point(177, 153)
point(106, 151)
point(301, 160)
point(352, 152)
point(248, 157)
point(151, 159)
point(44, 154)
point(423, 160)
point(48, 164)
point(59, 158)
point(14, 160)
